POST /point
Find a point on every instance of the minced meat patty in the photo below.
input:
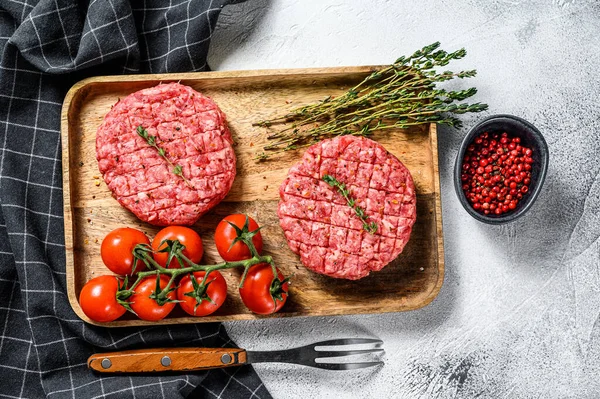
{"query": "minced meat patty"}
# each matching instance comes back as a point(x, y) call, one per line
point(193, 132)
point(321, 227)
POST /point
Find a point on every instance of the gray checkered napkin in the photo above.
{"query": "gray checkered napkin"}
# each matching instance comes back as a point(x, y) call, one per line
point(46, 46)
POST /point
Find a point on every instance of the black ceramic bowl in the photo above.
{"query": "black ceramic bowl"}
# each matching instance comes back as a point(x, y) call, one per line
point(531, 138)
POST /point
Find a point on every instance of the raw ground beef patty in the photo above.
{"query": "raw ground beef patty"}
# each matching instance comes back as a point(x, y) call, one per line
point(321, 227)
point(194, 134)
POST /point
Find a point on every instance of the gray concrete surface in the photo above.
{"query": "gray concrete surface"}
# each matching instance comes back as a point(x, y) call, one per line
point(518, 315)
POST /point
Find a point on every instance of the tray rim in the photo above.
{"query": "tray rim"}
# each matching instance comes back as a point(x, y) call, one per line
point(79, 89)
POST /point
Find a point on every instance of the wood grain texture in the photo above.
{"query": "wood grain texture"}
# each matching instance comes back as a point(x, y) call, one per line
point(409, 282)
point(179, 359)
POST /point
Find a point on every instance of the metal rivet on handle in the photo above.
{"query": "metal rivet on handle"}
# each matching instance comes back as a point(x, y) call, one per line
point(165, 361)
point(106, 363)
point(226, 358)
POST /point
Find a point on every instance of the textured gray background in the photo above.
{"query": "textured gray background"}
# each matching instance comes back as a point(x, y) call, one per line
point(518, 315)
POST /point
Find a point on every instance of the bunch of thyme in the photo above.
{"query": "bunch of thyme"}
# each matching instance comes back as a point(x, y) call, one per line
point(394, 97)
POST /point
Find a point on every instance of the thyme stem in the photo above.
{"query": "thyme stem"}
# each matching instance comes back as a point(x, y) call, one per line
point(151, 140)
point(360, 212)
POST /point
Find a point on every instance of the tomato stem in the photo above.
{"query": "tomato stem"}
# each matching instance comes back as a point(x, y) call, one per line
point(144, 253)
point(200, 291)
point(244, 235)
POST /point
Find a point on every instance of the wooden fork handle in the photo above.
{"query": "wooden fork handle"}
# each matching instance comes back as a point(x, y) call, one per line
point(166, 359)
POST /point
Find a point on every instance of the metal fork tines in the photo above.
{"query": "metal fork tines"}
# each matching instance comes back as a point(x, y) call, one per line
point(309, 354)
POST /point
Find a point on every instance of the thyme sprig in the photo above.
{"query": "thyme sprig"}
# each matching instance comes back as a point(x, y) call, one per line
point(151, 140)
point(370, 227)
point(394, 97)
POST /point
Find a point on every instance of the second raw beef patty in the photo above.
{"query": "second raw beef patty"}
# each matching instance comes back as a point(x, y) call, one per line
point(193, 132)
point(321, 227)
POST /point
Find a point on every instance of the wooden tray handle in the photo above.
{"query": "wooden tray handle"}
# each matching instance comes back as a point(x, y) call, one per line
point(166, 359)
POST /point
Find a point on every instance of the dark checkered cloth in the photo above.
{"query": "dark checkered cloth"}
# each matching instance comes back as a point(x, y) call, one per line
point(46, 47)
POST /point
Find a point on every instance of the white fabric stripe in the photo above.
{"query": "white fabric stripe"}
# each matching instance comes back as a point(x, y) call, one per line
point(3, 395)
point(185, 36)
point(209, 391)
point(160, 383)
point(60, 39)
point(30, 99)
point(168, 35)
point(229, 381)
point(25, 241)
point(45, 371)
point(62, 25)
point(94, 29)
point(29, 127)
point(10, 233)
point(54, 176)
point(82, 385)
point(57, 341)
point(232, 376)
point(162, 391)
point(26, 364)
point(39, 40)
point(15, 338)
point(23, 4)
point(34, 155)
point(112, 6)
point(178, 48)
point(54, 291)
point(56, 11)
point(99, 57)
point(169, 26)
point(254, 392)
point(144, 27)
point(21, 70)
point(51, 316)
point(12, 310)
point(157, 8)
point(31, 183)
point(14, 83)
point(5, 366)
point(32, 211)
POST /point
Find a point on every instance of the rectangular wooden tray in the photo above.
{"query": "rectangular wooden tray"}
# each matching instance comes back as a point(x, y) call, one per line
point(410, 282)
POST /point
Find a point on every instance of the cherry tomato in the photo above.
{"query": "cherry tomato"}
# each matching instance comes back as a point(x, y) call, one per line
point(147, 308)
point(116, 250)
point(226, 234)
point(186, 236)
point(216, 290)
point(261, 293)
point(98, 299)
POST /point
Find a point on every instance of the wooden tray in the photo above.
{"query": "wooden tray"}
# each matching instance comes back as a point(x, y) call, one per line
point(410, 282)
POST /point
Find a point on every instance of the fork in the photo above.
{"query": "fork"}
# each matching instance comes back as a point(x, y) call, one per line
point(192, 359)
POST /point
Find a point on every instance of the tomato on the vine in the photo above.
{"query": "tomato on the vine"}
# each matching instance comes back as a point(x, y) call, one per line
point(231, 233)
point(261, 292)
point(116, 250)
point(98, 299)
point(211, 296)
point(144, 304)
point(186, 236)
